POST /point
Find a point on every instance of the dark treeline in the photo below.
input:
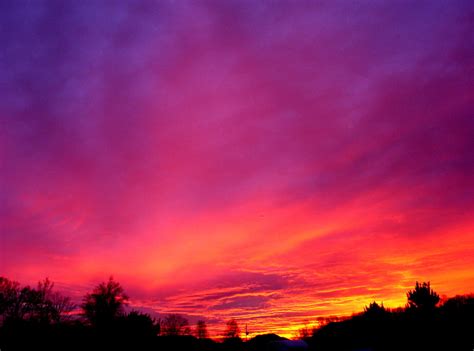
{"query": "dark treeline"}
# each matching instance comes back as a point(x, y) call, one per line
point(38, 318)
point(33, 318)
point(425, 323)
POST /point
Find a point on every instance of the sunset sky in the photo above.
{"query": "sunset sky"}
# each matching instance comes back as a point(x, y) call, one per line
point(269, 161)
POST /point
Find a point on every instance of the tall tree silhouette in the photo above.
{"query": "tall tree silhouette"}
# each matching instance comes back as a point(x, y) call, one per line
point(422, 297)
point(62, 305)
point(232, 329)
point(201, 330)
point(105, 303)
point(175, 324)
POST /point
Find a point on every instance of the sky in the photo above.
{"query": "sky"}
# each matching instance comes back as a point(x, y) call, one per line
point(268, 161)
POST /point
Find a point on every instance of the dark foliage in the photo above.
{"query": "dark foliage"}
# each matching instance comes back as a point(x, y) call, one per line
point(422, 297)
point(40, 319)
point(260, 342)
point(175, 325)
point(137, 325)
point(38, 305)
point(423, 325)
point(105, 303)
point(201, 330)
point(232, 330)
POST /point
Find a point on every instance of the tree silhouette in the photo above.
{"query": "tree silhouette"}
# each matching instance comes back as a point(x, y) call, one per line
point(105, 303)
point(422, 297)
point(374, 310)
point(201, 330)
point(175, 324)
point(137, 324)
point(304, 333)
point(232, 329)
point(42, 304)
point(62, 306)
point(30, 318)
point(46, 305)
point(10, 299)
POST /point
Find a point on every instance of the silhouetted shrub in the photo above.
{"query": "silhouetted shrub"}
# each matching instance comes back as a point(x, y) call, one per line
point(422, 297)
point(105, 303)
